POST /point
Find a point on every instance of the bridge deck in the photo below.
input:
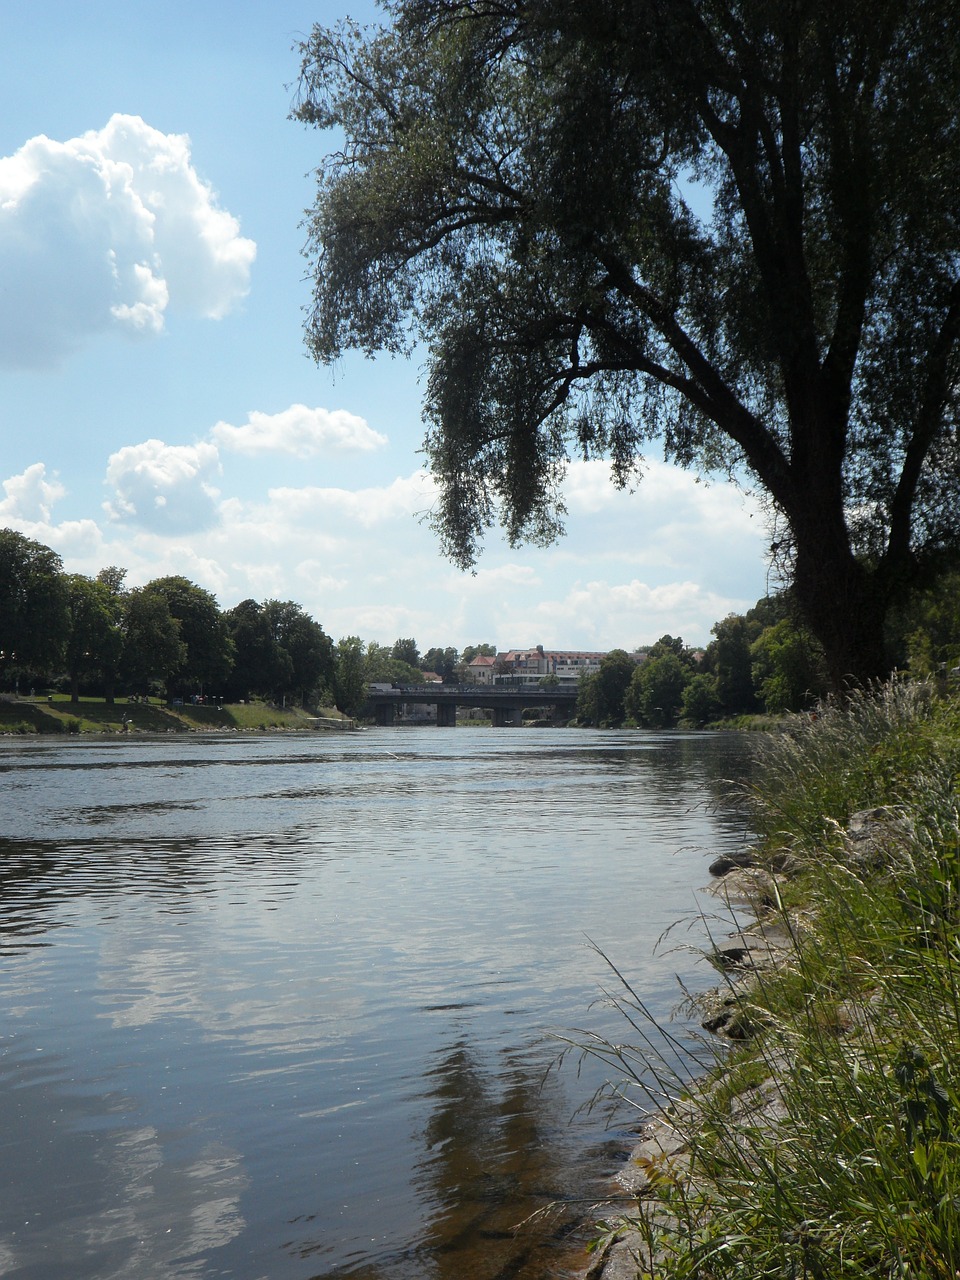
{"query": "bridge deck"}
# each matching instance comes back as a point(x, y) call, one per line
point(475, 695)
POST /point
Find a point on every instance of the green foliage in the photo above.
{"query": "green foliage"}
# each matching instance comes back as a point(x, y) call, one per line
point(112, 577)
point(280, 653)
point(26, 717)
point(512, 192)
point(34, 617)
point(305, 662)
point(477, 651)
point(600, 698)
point(95, 643)
point(655, 696)
point(701, 701)
point(858, 753)
point(207, 653)
point(381, 667)
point(787, 667)
point(443, 661)
point(925, 635)
point(673, 646)
point(259, 666)
point(406, 651)
point(152, 648)
point(349, 680)
point(729, 658)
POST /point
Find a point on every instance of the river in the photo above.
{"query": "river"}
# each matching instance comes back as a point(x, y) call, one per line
point(283, 1007)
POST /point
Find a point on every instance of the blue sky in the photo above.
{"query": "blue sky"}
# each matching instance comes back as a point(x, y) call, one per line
point(157, 407)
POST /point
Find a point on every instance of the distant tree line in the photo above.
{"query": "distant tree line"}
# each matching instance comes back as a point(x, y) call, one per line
point(764, 661)
point(170, 638)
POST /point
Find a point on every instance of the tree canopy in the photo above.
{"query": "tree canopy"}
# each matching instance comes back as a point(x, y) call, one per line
point(95, 642)
point(600, 698)
point(152, 646)
point(34, 609)
point(207, 653)
point(730, 231)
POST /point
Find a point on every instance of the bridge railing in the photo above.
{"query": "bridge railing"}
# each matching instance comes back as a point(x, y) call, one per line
point(464, 693)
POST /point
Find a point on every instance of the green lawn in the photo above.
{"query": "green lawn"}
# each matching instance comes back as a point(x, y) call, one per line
point(94, 715)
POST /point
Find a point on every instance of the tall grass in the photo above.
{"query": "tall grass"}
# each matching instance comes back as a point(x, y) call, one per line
point(828, 1144)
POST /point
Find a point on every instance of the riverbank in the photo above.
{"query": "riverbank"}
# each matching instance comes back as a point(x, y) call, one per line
point(95, 716)
point(824, 1142)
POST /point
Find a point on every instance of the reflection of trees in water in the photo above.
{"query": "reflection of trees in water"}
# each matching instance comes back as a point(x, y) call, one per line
point(490, 1162)
point(673, 773)
point(686, 764)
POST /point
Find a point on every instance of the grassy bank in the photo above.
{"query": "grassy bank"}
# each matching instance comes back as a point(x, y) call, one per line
point(826, 1143)
point(96, 716)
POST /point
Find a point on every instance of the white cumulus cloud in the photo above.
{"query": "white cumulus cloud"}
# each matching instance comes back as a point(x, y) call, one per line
point(30, 495)
point(299, 431)
point(105, 232)
point(164, 488)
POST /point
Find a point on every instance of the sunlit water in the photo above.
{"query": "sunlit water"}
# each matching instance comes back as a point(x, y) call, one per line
point(277, 1008)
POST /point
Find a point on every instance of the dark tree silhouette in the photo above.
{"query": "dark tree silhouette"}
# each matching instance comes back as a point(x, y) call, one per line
point(512, 190)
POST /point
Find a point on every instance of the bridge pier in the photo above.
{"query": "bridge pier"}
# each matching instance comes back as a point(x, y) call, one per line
point(507, 717)
point(506, 705)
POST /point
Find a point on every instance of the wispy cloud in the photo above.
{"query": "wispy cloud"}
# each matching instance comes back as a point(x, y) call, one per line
point(299, 431)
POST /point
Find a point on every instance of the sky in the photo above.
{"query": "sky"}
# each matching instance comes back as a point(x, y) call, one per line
point(158, 409)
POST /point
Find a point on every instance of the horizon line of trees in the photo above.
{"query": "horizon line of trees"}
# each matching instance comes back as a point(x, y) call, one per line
point(766, 661)
point(170, 638)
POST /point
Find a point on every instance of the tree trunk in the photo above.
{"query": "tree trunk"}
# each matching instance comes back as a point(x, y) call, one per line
point(845, 605)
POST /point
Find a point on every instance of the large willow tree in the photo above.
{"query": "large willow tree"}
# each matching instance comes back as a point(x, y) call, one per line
point(728, 229)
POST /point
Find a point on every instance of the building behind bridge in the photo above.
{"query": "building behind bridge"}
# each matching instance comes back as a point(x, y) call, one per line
point(529, 666)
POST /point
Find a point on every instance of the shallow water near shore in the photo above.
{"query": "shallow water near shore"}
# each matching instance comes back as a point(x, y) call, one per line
point(279, 1007)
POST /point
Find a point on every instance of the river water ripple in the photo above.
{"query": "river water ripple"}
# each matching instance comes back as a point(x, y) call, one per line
point(279, 1008)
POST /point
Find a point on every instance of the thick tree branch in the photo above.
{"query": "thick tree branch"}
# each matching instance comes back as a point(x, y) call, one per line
point(935, 395)
point(706, 389)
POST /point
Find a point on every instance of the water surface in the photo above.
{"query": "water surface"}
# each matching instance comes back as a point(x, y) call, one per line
point(278, 1008)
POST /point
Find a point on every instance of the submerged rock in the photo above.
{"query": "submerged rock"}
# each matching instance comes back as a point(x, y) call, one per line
point(730, 861)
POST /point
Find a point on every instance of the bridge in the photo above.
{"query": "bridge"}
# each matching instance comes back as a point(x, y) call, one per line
point(506, 702)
